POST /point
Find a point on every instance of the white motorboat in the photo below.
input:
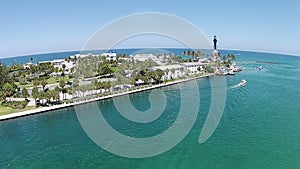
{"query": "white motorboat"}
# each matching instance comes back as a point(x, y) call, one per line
point(243, 82)
point(230, 72)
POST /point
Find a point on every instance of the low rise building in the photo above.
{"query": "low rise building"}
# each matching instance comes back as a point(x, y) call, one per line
point(194, 67)
point(110, 55)
point(171, 71)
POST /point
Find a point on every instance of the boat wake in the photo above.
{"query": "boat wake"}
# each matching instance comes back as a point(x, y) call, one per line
point(241, 84)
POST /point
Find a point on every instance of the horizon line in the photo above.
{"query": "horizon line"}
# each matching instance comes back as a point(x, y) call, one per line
point(73, 50)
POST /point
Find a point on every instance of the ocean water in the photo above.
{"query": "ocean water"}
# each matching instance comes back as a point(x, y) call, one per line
point(62, 55)
point(260, 126)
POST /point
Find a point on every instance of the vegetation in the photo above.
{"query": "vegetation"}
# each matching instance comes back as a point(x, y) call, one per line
point(194, 54)
point(25, 93)
point(43, 82)
point(15, 104)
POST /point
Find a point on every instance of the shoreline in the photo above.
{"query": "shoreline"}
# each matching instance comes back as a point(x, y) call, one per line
point(55, 107)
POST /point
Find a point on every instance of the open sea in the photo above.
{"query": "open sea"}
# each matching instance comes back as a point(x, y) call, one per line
point(260, 126)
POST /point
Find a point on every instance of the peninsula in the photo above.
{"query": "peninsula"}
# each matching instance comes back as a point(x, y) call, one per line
point(33, 88)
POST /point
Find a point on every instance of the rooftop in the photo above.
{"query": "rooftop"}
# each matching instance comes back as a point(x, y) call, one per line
point(165, 67)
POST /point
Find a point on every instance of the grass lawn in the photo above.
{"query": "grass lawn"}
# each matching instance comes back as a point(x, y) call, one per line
point(53, 80)
point(24, 86)
point(8, 110)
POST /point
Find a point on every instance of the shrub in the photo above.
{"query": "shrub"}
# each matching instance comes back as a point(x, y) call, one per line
point(15, 104)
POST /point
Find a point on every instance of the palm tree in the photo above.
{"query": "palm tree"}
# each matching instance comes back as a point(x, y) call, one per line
point(57, 89)
point(231, 56)
point(75, 85)
point(94, 83)
point(107, 85)
point(43, 82)
point(159, 74)
point(83, 89)
point(42, 96)
point(189, 53)
point(173, 72)
point(35, 82)
point(63, 67)
point(35, 94)
point(64, 91)
point(56, 70)
point(48, 96)
point(62, 84)
point(25, 93)
point(2, 96)
point(193, 54)
point(55, 95)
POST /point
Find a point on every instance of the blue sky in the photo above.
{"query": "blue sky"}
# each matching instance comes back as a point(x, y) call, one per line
point(31, 26)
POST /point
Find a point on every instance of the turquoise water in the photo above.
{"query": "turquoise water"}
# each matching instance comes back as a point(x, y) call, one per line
point(260, 127)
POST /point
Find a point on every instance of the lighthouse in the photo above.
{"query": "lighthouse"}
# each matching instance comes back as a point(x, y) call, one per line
point(215, 50)
point(215, 42)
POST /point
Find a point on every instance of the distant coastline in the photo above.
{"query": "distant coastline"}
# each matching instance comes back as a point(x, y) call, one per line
point(63, 54)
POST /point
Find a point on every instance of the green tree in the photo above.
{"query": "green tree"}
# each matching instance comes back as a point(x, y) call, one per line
point(56, 70)
point(64, 91)
point(2, 96)
point(63, 67)
point(25, 93)
point(104, 69)
point(55, 95)
point(36, 82)
point(94, 82)
point(48, 96)
point(8, 89)
point(62, 84)
point(159, 74)
point(63, 70)
point(107, 85)
point(43, 82)
point(35, 94)
point(42, 96)
point(57, 89)
point(3, 75)
point(83, 89)
point(231, 57)
point(209, 69)
point(75, 83)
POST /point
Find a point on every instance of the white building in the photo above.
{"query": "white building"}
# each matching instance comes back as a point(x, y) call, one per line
point(171, 71)
point(80, 55)
point(144, 57)
point(28, 65)
point(194, 67)
point(110, 55)
point(58, 63)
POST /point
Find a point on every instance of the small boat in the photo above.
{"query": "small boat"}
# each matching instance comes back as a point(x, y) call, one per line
point(230, 72)
point(221, 72)
point(243, 82)
point(237, 69)
point(260, 68)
